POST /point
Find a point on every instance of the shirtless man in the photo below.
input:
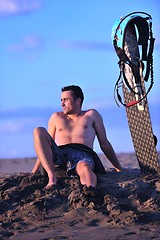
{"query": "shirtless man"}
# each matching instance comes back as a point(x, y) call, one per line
point(72, 125)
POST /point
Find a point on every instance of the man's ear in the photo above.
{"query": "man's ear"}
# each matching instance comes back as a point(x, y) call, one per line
point(78, 101)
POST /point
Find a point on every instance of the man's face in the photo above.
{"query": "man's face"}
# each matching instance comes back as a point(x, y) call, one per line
point(69, 105)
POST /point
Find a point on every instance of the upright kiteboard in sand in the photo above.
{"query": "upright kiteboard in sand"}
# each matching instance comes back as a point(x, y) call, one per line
point(130, 36)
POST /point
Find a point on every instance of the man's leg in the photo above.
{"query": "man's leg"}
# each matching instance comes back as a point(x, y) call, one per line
point(87, 176)
point(42, 144)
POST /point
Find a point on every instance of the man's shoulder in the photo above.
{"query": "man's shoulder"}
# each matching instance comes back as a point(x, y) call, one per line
point(57, 115)
point(92, 111)
point(94, 114)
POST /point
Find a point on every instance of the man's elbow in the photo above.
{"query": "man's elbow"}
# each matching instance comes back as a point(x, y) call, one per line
point(105, 146)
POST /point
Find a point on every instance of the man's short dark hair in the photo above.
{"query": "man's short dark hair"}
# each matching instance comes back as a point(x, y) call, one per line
point(77, 92)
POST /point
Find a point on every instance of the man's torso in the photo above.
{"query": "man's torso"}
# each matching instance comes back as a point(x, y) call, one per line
point(75, 130)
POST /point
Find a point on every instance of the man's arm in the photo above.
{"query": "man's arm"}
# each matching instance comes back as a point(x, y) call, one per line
point(36, 166)
point(105, 145)
point(111, 155)
point(51, 125)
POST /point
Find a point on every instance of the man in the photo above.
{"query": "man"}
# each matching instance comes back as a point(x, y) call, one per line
point(66, 130)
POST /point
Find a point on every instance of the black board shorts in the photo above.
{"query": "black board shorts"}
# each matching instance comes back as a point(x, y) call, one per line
point(68, 157)
point(65, 157)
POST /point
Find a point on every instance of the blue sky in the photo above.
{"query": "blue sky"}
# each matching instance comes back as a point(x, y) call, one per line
point(47, 44)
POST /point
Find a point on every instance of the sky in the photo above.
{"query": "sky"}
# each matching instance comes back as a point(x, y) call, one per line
point(48, 44)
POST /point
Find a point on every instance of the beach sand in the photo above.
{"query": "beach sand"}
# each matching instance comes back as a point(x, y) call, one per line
point(127, 204)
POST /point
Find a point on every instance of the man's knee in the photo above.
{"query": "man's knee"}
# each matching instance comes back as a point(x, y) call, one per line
point(83, 167)
point(40, 132)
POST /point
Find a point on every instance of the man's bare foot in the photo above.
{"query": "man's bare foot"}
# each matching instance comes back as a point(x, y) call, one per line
point(49, 187)
point(90, 191)
point(51, 183)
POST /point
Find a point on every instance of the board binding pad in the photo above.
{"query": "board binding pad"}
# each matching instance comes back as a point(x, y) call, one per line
point(132, 65)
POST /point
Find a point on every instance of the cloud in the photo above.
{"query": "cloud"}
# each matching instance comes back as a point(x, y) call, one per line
point(13, 7)
point(29, 47)
point(11, 126)
point(21, 125)
point(28, 43)
point(26, 112)
point(92, 45)
point(85, 45)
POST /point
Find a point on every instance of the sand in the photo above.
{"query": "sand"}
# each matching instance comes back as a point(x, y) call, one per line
point(127, 204)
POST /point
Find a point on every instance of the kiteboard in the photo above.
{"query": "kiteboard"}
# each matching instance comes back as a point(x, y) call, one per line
point(130, 35)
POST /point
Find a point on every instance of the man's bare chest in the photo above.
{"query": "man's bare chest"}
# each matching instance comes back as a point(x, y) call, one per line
point(70, 125)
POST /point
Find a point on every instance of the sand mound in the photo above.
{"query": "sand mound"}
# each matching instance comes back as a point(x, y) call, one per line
point(127, 206)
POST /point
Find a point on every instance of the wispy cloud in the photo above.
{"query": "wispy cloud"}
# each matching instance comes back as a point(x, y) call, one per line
point(11, 126)
point(29, 47)
point(12, 7)
point(26, 112)
point(85, 45)
point(91, 45)
point(21, 125)
point(28, 43)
